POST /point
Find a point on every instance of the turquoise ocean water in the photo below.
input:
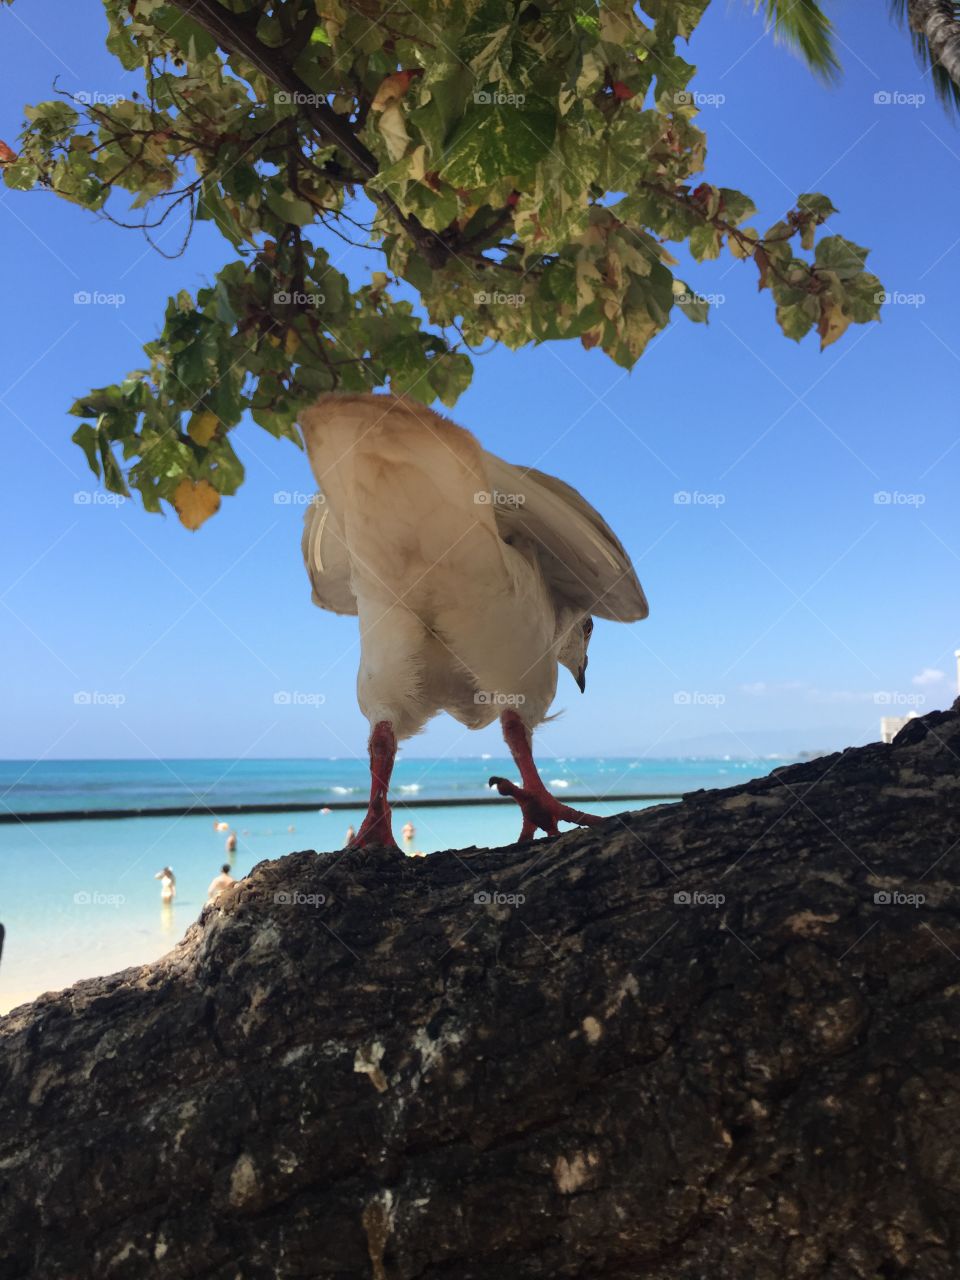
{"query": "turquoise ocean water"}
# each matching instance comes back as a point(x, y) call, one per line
point(79, 898)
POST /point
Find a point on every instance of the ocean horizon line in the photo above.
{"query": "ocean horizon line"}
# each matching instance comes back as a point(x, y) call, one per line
point(633, 756)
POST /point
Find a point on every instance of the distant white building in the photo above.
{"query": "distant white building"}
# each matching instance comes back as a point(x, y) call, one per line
point(890, 726)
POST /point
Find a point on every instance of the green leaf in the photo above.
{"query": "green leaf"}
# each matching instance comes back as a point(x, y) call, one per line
point(795, 318)
point(735, 206)
point(112, 475)
point(842, 256)
point(290, 208)
point(495, 140)
point(195, 42)
point(705, 242)
point(449, 377)
point(86, 437)
point(21, 175)
point(813, 202)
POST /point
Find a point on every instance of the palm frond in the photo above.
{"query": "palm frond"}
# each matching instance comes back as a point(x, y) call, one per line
point(804, 27)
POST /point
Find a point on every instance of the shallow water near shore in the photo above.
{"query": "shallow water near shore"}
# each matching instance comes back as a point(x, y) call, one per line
point(79, 898)
point(48, 785)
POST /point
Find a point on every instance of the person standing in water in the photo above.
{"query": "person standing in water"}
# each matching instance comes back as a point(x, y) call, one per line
point(220, 882)
point(409, 835)
point(349, 836)
point(231, 845)
point(168, 884)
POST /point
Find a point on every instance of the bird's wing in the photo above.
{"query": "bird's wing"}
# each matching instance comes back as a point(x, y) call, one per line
point(327, 561)
point(583, 560)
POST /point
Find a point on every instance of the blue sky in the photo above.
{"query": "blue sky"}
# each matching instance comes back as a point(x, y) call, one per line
point(782, 602)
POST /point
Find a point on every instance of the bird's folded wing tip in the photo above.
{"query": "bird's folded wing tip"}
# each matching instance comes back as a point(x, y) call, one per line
point(622, 607)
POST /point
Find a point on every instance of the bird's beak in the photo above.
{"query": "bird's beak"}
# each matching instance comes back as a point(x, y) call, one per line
point(581, 678)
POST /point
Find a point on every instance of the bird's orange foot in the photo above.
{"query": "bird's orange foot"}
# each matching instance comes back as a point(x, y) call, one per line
point(376, 829)
point(542, 811)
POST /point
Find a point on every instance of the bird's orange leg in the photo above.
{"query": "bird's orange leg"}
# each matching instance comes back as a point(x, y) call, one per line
point(541, 810)
point(375, 828)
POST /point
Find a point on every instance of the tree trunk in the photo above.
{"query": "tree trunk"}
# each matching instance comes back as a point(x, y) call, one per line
point(937, 22)
point(714, 1039)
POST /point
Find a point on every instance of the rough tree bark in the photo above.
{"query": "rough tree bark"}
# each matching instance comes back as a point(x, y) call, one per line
point(938, 22)
point(415, 1080)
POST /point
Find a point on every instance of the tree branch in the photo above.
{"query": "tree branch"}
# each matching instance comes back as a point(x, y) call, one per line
point(237, 34)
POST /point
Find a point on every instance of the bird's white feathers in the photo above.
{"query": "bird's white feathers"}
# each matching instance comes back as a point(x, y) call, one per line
point(464, 596)
point(326, 558)
point(582, 559)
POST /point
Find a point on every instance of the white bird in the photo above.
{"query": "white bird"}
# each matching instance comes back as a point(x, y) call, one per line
point(472, 580)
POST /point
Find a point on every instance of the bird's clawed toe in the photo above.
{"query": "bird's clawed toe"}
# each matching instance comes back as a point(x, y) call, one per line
point(542, 811)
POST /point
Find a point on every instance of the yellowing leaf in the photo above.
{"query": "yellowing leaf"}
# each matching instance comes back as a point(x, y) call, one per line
point(203, 427)
point(394, 131)
point(833, 323)
point(742, 246)
point(290, 342)
point(195, 501)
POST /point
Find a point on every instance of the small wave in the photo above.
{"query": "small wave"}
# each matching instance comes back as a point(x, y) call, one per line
point(559, 782)
point(344, 791)
point(410, 786)
point(486, 756)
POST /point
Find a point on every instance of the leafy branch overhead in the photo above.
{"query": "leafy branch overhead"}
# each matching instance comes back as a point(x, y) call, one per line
point(523, 168)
